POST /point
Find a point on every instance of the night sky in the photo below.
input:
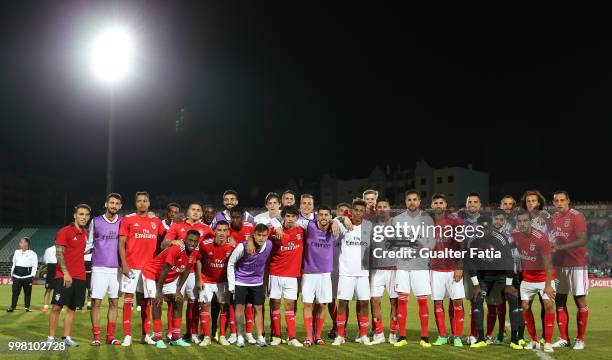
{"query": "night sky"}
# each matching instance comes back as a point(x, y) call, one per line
point(275, 90)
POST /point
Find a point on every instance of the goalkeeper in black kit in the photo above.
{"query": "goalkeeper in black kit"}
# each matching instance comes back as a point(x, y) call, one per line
point(489, 261)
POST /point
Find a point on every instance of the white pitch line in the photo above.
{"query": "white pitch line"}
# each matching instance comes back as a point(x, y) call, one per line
point(542, 355)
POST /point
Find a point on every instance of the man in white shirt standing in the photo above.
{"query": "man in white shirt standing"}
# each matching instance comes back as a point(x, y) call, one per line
point(353, 280)
point(273, 204)
point(25, 263)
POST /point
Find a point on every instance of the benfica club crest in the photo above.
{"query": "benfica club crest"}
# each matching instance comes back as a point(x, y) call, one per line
point(566, 222)
point(298, 236)
point(201, 233)
point(532, 247)
point(153, 226)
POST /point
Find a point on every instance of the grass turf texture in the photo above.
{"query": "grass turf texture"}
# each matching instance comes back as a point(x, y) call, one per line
point(33, 326)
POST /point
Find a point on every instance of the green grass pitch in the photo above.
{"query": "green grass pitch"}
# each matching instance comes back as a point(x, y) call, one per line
point(34, 327)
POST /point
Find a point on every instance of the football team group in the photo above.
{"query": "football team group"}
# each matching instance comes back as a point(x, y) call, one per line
point(224, 265)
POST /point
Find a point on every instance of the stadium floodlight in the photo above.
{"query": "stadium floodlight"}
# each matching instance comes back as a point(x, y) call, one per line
point(111, 54)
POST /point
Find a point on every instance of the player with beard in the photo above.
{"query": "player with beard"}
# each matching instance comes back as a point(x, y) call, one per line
point(496, 302)
point(447, 274)
point(288, 198)
point(412, 274)
point(507, 204)
point(317, 267)
point(570, 260)
point(487, 269)
point(103, 240)
point(70, 274)
point(230, 199)
point(470, 219)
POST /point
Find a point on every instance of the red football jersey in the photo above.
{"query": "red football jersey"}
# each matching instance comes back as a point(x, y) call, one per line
point(287, 253)
point(179, 231)
point(565, 226)
point(241, 235)
point(214, 260)
point(445, 239)
point(141, 243)
point(176, 257)
point(531, 250)
point(73, 240)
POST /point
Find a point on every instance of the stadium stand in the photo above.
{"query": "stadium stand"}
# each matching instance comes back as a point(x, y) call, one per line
point(4, 232)
point(42, 239)
point(7, 251)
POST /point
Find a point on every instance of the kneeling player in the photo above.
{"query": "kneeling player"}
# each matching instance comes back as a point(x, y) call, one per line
point(535, 254)
point(245, 280)
point(161, 279)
